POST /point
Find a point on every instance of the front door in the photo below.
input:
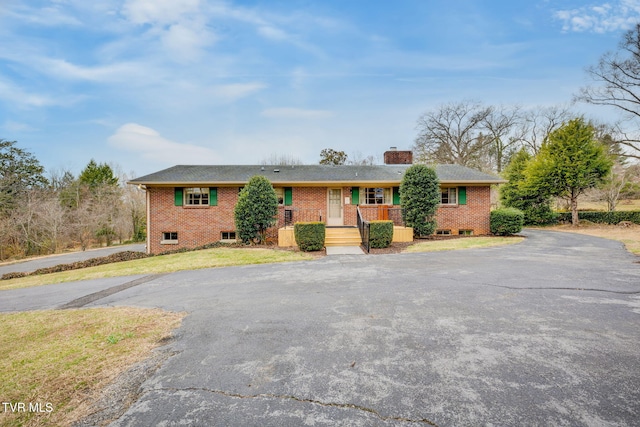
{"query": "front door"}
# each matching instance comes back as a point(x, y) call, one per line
point(334, 211)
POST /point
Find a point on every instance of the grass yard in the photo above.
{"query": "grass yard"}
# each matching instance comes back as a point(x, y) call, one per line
point(61, 360)
point(462, 243)
point(623, 205)
point(630, 236)
point(208, 258)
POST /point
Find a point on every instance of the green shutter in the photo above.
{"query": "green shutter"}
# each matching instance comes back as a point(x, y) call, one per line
point(462, 195)
point(177, 196)
point(396, 195)
point(355, 195)
point(288, 196)
point(213, 196)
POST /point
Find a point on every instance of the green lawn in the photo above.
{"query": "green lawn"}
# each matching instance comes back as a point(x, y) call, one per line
point(208, 258)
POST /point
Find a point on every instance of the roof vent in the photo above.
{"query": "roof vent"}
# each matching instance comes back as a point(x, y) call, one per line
point(276, 170)
point(262, 168)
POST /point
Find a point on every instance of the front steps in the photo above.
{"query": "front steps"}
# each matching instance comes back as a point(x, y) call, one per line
point(342, 236)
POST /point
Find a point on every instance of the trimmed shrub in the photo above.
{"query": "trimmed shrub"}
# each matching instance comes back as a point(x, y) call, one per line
point(380, 234)
point(603, 217)
point(309, 235)
point(506, 221)
point(256, 210)
point(419, 198)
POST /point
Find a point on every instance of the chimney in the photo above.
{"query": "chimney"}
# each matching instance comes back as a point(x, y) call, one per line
point(395, 157)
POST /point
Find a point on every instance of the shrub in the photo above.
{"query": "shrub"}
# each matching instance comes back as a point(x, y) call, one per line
point(603, 217)
point(420, 197)
point(506, 221)
point(256, 210)
point(380, 234)
point(309, 235)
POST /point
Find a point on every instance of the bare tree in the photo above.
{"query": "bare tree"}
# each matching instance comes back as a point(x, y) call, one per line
point(617, 76)
point(502, 125)
point(357, 158)
point(539, 122)
point(453, 133)
point(281, 160)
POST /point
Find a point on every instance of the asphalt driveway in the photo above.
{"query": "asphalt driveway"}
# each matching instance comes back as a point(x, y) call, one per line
point(546, 332)
point(33, 264)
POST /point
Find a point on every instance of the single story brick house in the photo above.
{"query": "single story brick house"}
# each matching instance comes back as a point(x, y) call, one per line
point(192, 205)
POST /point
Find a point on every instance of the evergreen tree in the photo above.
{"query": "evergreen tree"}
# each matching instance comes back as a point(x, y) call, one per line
point(535, 204)
point(256, 210)
point(419, 198)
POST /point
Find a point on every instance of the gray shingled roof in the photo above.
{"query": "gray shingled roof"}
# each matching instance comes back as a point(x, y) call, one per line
point(238, 174)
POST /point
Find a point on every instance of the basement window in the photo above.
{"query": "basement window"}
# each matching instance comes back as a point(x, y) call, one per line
point(169, 238)
point(443, 232)
point(229, 236)
point(465, 232)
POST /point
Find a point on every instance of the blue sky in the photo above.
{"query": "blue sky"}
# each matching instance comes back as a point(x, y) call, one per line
point(146, 84)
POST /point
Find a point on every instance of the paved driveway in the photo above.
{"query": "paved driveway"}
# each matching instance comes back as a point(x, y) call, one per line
point(67, 258)
point(546, 332)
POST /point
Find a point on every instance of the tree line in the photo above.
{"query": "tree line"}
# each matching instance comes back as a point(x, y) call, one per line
point(42, 214)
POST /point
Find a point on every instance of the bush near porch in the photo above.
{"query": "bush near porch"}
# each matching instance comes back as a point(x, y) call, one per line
point(309, 235)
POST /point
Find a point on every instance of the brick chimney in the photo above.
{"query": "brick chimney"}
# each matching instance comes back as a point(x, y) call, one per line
point(395, 157)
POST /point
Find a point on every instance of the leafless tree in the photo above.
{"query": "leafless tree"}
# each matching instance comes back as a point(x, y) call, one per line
point(537, 123)
point(502, 125)
point(453, 133)
point(281, 160)
point(617, 78)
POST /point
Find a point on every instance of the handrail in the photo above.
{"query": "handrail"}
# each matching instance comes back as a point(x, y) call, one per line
point(364, 228)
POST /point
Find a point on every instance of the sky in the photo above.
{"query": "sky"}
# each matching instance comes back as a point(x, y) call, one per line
point(147, 84)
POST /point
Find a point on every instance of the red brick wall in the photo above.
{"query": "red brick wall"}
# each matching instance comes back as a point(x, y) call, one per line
point(197, 226)
point(472, 216)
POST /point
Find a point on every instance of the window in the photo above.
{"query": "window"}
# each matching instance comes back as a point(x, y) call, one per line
point(448, 196)
point(228, 235)
point(443, 232)
point(375, 196)
point(465, 232)
point(169, 238)
point(197, 196)
point(280, 195)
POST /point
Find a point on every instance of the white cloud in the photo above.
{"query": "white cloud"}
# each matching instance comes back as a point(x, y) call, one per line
point(232, 92)
point(607, 17)
point(158, 11)
point(16, 96)
point(272, 33)
point(295, 113)
point(15, 127)
point(151, 146)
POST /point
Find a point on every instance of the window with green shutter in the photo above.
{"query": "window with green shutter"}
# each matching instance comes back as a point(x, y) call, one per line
point(177, 196)
point(288, 196)
point(355, 195)
point(396, 195)
point(213, 196)
point(462, 195)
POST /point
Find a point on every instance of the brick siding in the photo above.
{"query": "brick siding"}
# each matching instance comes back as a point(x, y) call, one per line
point(472, 216)
point(198, 226)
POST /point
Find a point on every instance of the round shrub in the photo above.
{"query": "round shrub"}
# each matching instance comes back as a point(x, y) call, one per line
point(309, 235)
point(380, 234)
point(506, 221)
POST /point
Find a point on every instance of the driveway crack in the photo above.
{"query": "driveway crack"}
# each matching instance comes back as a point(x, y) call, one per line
point(88, 299)
point(302, 400)
point(551, 288)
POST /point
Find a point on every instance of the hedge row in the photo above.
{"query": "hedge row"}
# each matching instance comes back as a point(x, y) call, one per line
point(380, 233)
point(309, 235)
point(506, 221)
point(602, 217)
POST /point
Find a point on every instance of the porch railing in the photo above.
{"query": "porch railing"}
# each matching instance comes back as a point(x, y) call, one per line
point(364, 228)
point(382, 212)
point(289, 216)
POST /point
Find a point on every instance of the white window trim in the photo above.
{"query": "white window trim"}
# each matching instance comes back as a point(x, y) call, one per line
point(387, 196)
point(203, 191)
point(449, 190)
point(169, 241)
